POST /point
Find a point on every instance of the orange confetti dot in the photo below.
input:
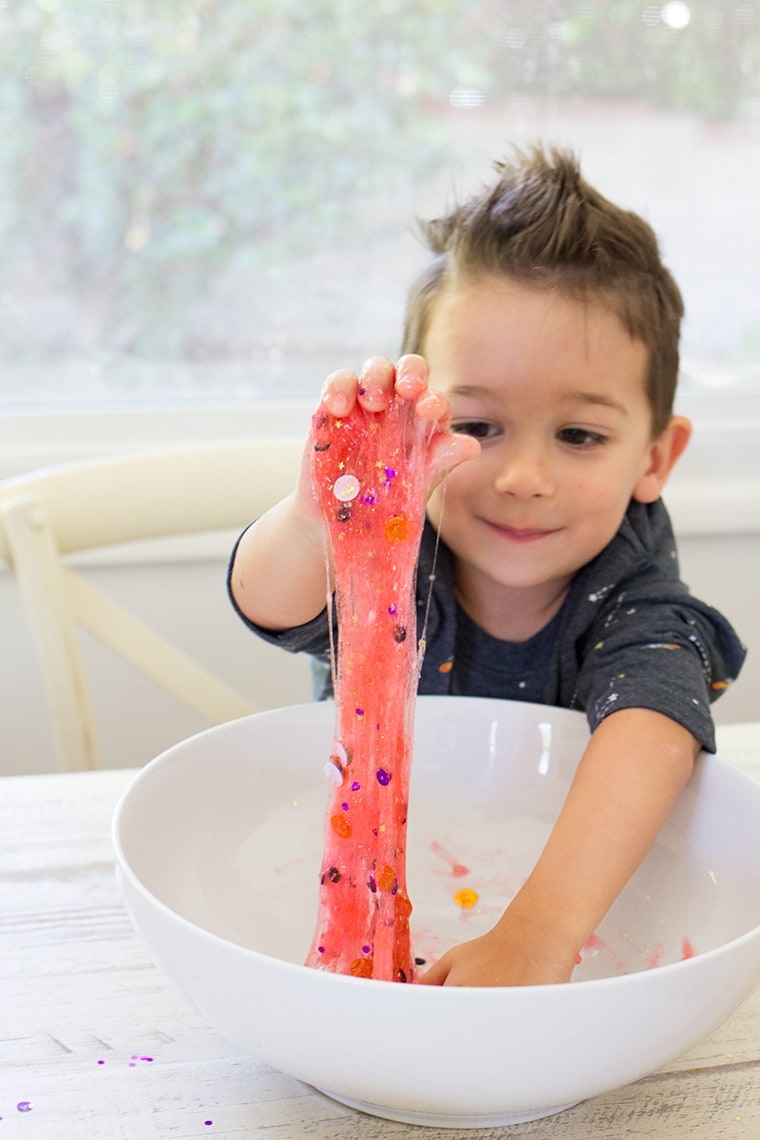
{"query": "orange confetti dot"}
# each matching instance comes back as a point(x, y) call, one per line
point(397, 529)
point(719, 685)
point(340, 826)
point(466, 898)
point(362, 967)
point(446, 667)
point(403, 906)
point(386, 878)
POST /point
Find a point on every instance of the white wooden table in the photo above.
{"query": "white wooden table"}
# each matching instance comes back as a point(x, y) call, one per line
point(99, 1045)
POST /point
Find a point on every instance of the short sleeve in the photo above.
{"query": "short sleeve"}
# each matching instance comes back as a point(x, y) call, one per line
point(655, 649)
point(312, 637)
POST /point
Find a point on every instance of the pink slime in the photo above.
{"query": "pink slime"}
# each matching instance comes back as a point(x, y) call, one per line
point(368, 476)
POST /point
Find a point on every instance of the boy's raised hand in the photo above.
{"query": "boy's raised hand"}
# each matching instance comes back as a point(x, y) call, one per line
point(278, 593)
point(373, 388)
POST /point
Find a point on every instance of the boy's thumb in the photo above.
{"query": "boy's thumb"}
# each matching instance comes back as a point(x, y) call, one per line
point(448, 450)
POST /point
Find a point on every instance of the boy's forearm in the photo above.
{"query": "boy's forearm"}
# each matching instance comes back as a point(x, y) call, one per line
point(278, 576)
point(627, 782)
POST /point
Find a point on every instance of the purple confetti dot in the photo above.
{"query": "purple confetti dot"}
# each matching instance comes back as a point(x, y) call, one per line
point(344, 806)
point(208, 1123)
point(146, 1059)
point(359, 712)
point(355, 786)
point(390, 473)
point(24, 1106)
point(101, 1062)
point(321, 949)
point(366, 949)
point(383, 777)
point(392, 609)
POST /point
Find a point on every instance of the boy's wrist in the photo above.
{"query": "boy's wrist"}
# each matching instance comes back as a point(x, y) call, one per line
point(553, 932)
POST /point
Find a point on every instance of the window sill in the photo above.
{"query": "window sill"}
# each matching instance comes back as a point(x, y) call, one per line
point(715, 488)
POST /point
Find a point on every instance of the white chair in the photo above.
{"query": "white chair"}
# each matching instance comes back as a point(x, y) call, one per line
point(52, 513)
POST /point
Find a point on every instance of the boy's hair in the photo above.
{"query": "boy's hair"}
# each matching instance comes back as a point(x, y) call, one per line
point(541, 224)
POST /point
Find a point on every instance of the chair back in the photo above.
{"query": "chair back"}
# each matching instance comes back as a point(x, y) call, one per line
point(50, 515)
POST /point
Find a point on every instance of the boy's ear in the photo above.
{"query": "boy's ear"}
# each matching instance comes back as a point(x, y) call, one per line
point(663, 454)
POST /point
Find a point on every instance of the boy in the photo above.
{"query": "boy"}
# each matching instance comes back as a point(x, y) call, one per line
point(550, 329)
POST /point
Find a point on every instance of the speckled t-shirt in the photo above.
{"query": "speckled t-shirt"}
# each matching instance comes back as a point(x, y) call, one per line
point(628, 635)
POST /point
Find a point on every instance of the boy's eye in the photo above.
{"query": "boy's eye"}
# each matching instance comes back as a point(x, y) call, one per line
point(580, 437)
point(479, 429)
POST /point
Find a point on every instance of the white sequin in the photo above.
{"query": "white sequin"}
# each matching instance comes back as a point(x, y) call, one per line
point(334, 774)
point(346, 488)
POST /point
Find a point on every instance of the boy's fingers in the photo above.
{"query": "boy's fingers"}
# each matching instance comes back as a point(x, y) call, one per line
point(339, 392)
point(376, 383)
point(411, 376)
point(434, 408)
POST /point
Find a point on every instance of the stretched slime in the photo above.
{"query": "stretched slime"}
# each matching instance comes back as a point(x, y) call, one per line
point(368, 474)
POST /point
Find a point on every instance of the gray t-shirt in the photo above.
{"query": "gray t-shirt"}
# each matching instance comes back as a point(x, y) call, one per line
point(628, 635)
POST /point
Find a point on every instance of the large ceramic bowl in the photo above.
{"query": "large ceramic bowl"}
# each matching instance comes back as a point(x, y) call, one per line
point(218, 845)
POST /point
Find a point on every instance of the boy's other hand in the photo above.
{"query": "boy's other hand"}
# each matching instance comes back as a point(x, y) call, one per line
point(508, 955)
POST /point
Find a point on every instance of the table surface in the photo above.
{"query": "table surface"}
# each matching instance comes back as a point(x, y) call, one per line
point(100, 1045)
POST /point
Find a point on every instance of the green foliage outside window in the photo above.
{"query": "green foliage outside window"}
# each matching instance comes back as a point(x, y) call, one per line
point(153, 150)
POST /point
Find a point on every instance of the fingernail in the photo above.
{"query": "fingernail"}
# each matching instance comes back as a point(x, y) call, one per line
point(373, 393)
point(433, 401)
point(408, 385)
point(337, 403)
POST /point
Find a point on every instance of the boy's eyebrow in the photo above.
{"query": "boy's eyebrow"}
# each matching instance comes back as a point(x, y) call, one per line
point(596, 398)
point(469, 390)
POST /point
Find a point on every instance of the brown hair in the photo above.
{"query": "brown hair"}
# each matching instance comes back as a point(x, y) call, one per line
point(543, 225)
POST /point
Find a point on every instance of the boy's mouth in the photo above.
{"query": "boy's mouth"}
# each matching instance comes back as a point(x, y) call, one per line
point(521, 534)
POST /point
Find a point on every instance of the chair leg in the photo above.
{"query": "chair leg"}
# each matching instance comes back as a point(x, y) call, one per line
point(40, 576)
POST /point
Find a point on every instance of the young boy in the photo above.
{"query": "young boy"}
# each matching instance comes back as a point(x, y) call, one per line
point(550, 328)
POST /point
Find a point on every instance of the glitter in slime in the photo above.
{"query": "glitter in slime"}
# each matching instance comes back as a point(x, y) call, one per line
point(368, 476)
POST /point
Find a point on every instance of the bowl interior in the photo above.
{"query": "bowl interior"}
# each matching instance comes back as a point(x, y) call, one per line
point(226, 829)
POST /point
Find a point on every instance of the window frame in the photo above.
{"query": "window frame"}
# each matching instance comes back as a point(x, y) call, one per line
point(715, 489)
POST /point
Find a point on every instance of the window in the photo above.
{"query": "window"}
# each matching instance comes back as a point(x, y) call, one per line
point(211, 201)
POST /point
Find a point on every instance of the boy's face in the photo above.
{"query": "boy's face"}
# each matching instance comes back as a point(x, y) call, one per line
point(554, 390)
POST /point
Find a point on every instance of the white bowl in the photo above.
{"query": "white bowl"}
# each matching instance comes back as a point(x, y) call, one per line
point(218, 844)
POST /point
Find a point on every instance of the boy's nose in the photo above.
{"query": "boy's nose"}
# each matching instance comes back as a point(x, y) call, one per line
point(524, 474)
